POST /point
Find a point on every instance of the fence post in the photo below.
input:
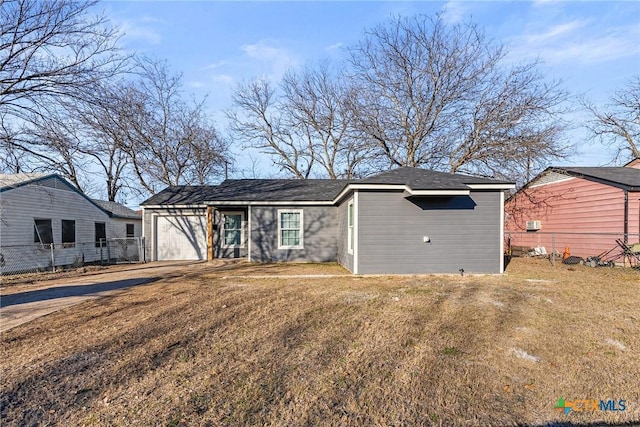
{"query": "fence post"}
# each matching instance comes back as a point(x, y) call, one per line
point(143, 249)
point(553, 249)
point(53, 258)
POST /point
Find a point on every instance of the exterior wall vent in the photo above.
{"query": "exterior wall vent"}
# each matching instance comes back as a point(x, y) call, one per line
point(534, 225)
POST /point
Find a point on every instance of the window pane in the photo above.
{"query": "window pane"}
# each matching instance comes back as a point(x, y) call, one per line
point(100, 233)
point(290, 238)
point(232, 222)
point(351, 215)
point(232, 237)
point(130, 230)
point(42, 231)
point(290, 220)
point(68, 231)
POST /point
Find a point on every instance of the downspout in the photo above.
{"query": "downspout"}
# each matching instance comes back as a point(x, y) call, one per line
point(626, 217)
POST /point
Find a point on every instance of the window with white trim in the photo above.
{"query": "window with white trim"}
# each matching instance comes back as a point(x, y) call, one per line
point(290, 229)
point(350, 229)
point(233, 233)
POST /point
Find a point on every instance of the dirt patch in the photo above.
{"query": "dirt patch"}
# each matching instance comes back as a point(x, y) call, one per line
point(196, 349)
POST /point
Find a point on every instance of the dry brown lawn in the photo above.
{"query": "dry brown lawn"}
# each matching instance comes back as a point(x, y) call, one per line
point(213, 347)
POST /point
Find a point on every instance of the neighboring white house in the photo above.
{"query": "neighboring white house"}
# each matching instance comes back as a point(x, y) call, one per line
point(41, 210)
point(125, 222)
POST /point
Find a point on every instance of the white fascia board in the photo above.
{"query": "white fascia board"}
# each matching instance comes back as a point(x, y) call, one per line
point(400, 187)
point(491, 186)
point(269, 203)
point(438, 193)
point(501, 243)
point(173, 207)
point(542, 184)
point(353, 187)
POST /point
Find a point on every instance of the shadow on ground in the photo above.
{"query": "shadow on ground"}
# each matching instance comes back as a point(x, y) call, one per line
point(71, 291)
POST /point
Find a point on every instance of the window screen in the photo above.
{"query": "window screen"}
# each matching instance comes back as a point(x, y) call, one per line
point(68, 232)
point(100, 233)
point(42, 231)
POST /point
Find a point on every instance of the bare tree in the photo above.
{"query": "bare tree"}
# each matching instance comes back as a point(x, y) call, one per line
point(437, 96)
point(317, 105)
point(170, 141)
point(618, 123)
point(48, 143)
point(51, 50)
point(304, 124)
point(259, 120)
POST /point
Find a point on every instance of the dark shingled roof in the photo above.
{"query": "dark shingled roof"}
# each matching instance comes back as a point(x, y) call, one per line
point(624, 177)
point(422, 179)
point(242, 190)
point(309, 190)
point(117, 210)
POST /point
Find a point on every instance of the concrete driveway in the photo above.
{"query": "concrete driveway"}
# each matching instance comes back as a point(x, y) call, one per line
point(23, 303)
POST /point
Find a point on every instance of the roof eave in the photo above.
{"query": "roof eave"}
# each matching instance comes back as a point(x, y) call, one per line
point(592, 178)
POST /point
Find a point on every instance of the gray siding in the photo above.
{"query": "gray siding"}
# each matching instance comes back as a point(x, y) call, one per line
point(229, 252)
point(344, 257)
point(464, 233)
point(320, 245)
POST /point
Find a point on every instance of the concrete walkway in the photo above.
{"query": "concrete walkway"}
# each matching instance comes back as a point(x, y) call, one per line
point(47, 297)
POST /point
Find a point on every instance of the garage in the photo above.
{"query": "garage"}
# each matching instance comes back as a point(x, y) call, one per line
point(181, 238)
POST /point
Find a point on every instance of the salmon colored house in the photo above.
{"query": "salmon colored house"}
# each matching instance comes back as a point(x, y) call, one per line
point(584, 208)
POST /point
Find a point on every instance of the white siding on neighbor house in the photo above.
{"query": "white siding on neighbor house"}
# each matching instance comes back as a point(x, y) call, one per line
point(117, 227)
point(20, 206)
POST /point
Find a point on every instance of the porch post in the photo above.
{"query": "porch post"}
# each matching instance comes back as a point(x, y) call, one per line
point(210, 216)
point(249, 233)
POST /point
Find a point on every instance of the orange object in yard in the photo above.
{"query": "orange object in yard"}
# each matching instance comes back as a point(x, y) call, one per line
point(566, 253)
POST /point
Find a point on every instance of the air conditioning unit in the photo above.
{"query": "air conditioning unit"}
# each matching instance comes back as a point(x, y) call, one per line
point(534, 225)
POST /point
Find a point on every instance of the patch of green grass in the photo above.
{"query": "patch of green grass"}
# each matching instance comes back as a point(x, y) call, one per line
point(451, 351)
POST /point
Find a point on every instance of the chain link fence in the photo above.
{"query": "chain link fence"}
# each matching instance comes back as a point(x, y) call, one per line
point(595, 249)
point(37, 257)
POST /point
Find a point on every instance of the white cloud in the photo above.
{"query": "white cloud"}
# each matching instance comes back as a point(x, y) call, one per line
point(539, 3)
point(455, 11)
point(556, 31)
point(224, 79)
point(267, 58)
point(195, 84)
point(142, 29)
point(577, 41)
point(334, 47)
point(215, 65)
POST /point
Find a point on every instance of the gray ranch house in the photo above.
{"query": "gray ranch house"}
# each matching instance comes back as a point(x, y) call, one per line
point(404, 221)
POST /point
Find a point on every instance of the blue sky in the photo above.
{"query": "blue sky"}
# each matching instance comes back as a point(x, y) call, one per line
point(594, 47)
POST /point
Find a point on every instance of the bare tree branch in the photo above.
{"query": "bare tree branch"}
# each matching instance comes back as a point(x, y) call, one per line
point(617, 124)
point(51, 50)
point(438, 96)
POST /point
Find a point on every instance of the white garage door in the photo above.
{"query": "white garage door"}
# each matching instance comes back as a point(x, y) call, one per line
point(181, 238)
